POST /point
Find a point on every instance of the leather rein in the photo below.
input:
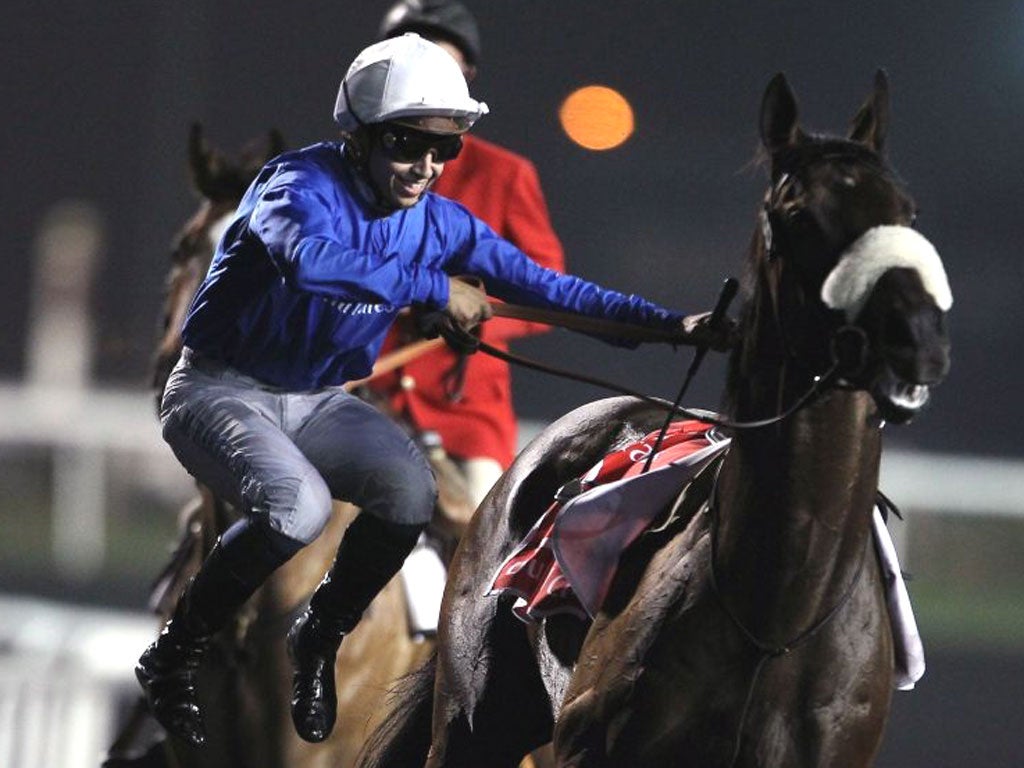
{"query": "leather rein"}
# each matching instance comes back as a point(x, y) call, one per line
point(463, 340)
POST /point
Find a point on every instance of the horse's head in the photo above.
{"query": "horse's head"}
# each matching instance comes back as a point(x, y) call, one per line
point(220, 178)
point(839, 278)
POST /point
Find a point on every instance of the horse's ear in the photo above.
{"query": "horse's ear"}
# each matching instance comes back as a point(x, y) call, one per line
point(779, 126)
point(200, 160)
point(258, 153)
point(871, 123)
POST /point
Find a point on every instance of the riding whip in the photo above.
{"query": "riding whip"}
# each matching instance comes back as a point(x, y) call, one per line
point(718, 313)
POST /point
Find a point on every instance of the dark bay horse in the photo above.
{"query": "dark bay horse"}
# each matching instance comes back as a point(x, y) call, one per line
point(750, 628)
point(246, 681)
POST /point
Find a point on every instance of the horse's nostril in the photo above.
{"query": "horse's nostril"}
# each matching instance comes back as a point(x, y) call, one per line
point(919, 364)
point(936, 366)
point(916, 344)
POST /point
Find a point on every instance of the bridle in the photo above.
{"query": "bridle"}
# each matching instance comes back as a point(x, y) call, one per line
point(848, 346)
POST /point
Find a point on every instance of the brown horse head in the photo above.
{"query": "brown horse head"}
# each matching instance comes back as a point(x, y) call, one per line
point(221, 178)
point(220, 181)
point(839, 280)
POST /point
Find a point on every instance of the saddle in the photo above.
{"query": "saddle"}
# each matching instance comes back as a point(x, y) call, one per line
point(567, 561)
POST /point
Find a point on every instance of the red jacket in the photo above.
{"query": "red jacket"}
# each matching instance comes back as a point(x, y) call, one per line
point(503, 189)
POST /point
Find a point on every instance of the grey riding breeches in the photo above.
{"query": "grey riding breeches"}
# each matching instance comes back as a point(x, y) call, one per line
point(282, 456)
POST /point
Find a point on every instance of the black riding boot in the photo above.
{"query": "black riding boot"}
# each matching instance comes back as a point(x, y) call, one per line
point(237, 565)
point(371, 553)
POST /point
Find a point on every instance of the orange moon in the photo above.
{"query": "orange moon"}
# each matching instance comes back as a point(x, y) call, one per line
point(596, 117)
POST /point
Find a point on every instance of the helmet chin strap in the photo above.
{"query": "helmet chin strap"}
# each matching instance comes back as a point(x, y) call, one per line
point(365, 183)
point(359, 157)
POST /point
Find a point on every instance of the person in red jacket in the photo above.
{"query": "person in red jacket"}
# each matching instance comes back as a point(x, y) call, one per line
point(467, 400)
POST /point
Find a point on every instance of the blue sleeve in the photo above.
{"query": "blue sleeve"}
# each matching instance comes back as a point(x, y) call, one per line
point(511, 275)
point(296, 218)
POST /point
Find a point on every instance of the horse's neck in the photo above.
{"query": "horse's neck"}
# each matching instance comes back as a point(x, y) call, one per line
point(795, 509)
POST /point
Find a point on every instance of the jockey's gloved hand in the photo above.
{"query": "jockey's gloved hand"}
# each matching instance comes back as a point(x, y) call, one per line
point(430, 325)
point(463, 341)
point(698, 330)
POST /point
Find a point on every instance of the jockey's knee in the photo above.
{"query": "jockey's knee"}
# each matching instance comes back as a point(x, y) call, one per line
point(298, 508)
point(257, 548)
point(404, 492)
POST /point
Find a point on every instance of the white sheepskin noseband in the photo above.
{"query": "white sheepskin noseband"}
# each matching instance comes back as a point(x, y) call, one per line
point(874, 253)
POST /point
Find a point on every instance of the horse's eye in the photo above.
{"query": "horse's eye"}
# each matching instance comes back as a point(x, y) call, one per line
point(848, 180)
point(794, 213)
point(790, 192)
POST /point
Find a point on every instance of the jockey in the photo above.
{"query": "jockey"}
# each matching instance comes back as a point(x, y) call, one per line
point(327, 246)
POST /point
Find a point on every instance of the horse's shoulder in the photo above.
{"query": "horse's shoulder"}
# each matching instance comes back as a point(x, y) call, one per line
point(662, 577)
point(663, 573)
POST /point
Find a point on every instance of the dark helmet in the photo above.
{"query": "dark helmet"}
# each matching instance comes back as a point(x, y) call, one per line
point(445, 18)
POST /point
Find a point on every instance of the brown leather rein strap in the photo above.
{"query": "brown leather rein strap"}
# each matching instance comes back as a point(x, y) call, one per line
point(610, 328)
point(582, 323)
point(563, 373)
point(410, 352)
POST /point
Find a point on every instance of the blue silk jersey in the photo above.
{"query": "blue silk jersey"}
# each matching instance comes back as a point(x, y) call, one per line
point(309, 276)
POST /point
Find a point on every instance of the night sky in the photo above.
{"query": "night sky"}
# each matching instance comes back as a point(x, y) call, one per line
point(98, 98)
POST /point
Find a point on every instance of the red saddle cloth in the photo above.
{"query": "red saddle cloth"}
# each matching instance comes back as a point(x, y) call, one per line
point(567, 561)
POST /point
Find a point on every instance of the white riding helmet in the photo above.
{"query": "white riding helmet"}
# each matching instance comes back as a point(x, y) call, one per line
point(404, 76)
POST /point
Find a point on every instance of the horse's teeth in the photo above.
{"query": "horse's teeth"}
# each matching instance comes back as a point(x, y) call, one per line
point(911, 396)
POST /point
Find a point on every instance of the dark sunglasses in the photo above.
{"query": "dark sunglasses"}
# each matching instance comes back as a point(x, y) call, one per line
point(407, 145)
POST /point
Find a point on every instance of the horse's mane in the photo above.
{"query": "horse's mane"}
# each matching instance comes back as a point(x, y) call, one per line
point(752, 313)
point(816, 147)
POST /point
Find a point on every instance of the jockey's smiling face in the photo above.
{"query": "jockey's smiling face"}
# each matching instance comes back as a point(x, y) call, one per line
point(408, 156)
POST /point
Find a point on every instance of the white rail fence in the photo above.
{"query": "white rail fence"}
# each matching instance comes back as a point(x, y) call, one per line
point(85, 427)
point(65, 673)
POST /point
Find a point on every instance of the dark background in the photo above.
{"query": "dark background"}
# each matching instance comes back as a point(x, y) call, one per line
point(98, 98)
